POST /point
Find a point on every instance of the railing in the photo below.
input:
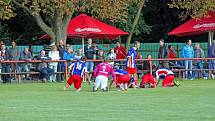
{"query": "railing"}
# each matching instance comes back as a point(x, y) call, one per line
point(118, 60)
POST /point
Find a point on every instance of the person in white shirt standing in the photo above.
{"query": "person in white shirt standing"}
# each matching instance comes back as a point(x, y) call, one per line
point(54, 55)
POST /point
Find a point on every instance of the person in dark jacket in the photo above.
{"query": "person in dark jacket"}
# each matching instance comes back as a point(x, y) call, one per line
point(162, 54)
point(211, 54)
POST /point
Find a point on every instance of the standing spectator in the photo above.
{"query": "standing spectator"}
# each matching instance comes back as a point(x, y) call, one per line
point(211, 54)
point(14, 55)
point(31, 49)
point(171, 55)
point(198, 64)
point(26, 56)
point(61, 48)
point(120, 52)
point(131, 64)
point(162, 54)
point(89, 51)
point(5, 66)
point(111, 54)
point(45, 71)
point(54, 55)
point(68, 55)
point(188, 52)
point(79, 54)
point(1, 58)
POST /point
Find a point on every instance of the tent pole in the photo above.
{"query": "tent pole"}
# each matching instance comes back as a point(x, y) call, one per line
point(83, 44)
point(209, 38)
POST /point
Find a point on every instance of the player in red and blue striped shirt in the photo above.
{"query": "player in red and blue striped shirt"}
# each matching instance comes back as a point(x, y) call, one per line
point(131, 66)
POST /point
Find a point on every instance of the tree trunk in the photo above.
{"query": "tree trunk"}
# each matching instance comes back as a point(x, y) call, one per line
point(58, 28)
point(141, 4)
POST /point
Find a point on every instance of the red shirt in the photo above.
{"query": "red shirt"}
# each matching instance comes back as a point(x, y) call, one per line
point(120, 52)
point(171, 54)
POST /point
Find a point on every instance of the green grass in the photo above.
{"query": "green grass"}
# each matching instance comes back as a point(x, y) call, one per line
point(192, 101)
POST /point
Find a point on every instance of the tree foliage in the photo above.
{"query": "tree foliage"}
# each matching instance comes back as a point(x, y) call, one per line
point(53, 16)
point(6, 11)
point(194, 8)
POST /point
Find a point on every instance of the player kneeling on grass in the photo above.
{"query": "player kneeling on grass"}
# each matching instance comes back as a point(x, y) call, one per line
point(77, 69)
point(148, 81)
point(122, 79)
point(101, 73)
point(167, 76)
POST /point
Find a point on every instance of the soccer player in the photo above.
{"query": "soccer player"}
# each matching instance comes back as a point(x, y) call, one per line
point(101, 73)
point(148, 81)
point(167, 76)
point(78, 69)
point(131, 63)
point(122, 79)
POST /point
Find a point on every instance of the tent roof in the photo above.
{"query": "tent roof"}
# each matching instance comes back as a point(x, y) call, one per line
point(196, 26)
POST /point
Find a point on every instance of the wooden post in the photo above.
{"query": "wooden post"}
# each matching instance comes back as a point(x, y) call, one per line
point(66, 70)
point(150, 63)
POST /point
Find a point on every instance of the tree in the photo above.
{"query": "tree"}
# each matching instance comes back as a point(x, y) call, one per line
point(194, 8)
point(140, 5)
point(53, 16)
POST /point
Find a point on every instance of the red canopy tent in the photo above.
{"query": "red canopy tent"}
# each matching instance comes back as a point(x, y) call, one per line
point(83, 26)
point(197, 26)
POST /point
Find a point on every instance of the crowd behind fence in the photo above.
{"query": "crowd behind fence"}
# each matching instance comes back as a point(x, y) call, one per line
point(179, 70)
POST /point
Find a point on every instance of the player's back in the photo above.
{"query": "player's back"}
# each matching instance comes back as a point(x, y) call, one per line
point(103, 69)
point(79, 68)
point(120, 72)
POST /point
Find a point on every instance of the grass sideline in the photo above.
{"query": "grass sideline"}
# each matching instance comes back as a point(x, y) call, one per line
point(192, 101)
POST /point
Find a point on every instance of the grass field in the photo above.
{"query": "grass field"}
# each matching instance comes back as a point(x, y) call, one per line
point(192, 101)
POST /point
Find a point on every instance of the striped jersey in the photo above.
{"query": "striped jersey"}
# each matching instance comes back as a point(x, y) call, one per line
point(131, 58)
point(78, 68)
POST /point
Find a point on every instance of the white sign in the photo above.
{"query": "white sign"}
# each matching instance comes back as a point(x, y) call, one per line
point(204, 25)
point(88, 29)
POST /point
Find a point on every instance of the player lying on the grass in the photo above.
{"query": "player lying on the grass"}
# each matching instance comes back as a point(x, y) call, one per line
point(167, 76)
point(148, 81)
point(77, 70)
point(122, 79)
point(101, 73)
point(131, 65)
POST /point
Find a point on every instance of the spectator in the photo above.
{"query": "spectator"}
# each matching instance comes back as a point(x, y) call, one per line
point(111, 54)
point(31, 50)
point(45, 71)
point(54, 55)
point(211, 54)
point(78, 54)
point(89, 51)
point(120, 52)
point(26, 56)
point(68, 55)
point(188, 52)
point(14, 55)
point(162, 54)
point(140, 63)
point(100, 56)
point(171, 55)
point(198, 64)
point(5, 66)
point(1, 58)
point(61, 48)
point(146, 64)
